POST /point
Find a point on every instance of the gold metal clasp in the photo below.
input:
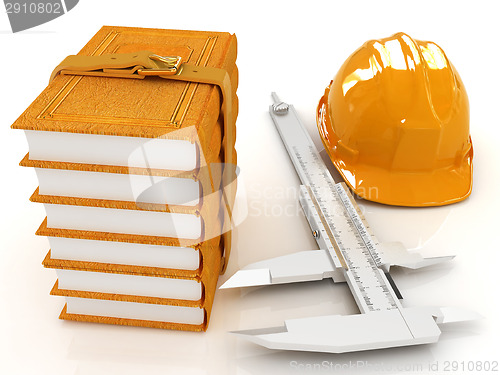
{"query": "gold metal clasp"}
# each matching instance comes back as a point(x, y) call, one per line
point(165, 65)
point(123, 65)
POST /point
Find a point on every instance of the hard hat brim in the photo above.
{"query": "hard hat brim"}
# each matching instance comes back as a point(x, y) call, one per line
point(441, 187)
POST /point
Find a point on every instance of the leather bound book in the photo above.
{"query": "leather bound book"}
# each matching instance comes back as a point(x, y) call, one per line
point(146, 108)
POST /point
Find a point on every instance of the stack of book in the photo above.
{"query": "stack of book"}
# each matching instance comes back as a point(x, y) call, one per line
point(130, 174)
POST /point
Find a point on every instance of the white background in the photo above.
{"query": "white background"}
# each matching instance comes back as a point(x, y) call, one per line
point(293, 48)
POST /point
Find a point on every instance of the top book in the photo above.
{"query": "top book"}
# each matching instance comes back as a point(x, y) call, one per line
point(146, 108)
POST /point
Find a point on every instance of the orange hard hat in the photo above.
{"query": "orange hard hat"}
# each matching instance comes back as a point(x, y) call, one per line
point(395, 123)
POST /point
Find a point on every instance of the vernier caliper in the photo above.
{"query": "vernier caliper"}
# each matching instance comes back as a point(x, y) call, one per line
point(348, 252)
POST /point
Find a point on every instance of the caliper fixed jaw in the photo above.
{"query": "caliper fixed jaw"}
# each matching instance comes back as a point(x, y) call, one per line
point(358, 332)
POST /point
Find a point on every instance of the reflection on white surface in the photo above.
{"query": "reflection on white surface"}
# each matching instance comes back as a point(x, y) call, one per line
point(415, 228)
point(270, 306)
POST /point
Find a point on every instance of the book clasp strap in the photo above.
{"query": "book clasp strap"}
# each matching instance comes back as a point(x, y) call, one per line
point(136, 65)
